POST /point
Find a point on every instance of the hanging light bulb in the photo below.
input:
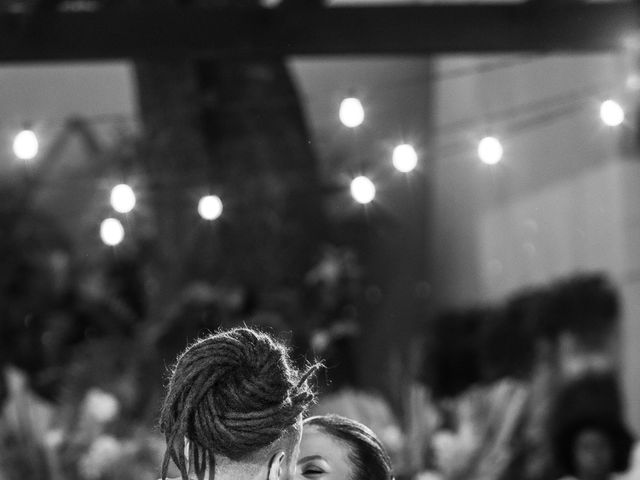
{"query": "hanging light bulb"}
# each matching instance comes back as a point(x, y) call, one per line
point(122, 198)
point(25, 145)
point(611, 113)
point(363, 190)
point(210, 207)
point(351, 112)
point(490, 150)
point(405, 158)
point(111, 231)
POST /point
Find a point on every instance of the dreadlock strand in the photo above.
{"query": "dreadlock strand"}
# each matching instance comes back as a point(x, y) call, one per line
point(199, 462)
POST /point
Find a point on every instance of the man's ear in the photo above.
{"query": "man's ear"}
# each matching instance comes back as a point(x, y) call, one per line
point(275, 467)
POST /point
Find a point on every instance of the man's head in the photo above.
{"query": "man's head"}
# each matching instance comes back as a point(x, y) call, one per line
point(236, 401)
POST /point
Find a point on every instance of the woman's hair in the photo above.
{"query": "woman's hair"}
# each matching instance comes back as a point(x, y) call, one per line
point(367, 455)
point(620, 440)
point(232, 393)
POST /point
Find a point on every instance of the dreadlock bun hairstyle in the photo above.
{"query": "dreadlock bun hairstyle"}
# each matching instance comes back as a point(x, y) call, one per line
point(231, 394)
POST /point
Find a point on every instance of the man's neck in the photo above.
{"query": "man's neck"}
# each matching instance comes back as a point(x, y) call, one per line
point(240, 476)
point(241, 472)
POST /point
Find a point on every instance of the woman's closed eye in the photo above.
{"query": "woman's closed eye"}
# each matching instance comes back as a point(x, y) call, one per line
point(312, 470)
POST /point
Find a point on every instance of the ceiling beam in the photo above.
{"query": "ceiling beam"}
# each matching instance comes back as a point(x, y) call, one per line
point(255, 32)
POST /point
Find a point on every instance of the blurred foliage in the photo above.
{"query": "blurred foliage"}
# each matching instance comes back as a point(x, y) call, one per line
point(32, 284)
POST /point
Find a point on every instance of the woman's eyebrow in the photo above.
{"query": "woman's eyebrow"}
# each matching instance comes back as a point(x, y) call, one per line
point(310, 457)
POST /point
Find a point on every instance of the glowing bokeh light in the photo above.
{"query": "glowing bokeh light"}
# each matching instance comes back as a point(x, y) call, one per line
point(611, 113)
point(122, 198)
point(351, 112)
point(210, 207)
point(25, 145)
point(405, 158)
point(111, 231)
point(490, 150)
point(363, 190)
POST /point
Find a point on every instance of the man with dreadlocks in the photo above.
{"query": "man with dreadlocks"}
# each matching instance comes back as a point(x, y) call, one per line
point(233, 409)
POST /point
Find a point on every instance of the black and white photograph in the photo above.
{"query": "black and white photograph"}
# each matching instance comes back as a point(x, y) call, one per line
point(319, 240)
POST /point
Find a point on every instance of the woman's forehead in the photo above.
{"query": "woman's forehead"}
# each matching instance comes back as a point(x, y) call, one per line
point(317, 441)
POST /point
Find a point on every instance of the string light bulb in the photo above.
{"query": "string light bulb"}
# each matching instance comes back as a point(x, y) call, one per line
point(611, 113)
point(25, 145)
point(490, 150)
point(111, 231)
point(210, 207)
point(351, 112)
point(122, 198)
point(363, 190)
point(405, 158)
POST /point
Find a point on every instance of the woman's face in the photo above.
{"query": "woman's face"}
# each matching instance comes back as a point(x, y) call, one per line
point(322, 457)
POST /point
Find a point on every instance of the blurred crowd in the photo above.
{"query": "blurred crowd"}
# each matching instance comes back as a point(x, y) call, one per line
point(526, 389)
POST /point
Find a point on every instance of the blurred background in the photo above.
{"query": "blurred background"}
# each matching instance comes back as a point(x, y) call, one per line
point(454, 231)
